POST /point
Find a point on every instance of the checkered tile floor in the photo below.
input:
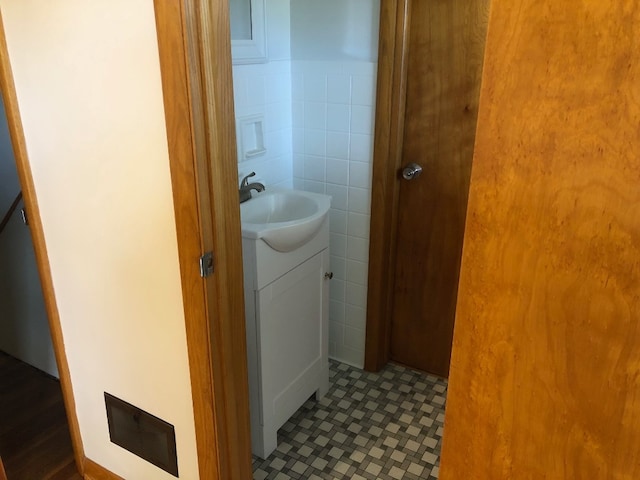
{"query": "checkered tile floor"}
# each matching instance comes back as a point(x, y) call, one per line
point(382, 426)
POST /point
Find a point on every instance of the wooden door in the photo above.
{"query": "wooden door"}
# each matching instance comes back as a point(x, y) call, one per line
point(545, 373)
point(442, 43)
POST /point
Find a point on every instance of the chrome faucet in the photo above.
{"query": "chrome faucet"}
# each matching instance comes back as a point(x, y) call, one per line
point(246, 187)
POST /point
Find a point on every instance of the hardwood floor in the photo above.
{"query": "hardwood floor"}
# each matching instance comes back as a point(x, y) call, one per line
point(34, 436)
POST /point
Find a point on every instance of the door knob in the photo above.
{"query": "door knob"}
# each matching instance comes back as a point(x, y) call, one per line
point(411, 171)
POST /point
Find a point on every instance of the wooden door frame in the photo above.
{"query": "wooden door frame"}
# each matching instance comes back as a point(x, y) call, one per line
point(195, 58)
point(387, 158)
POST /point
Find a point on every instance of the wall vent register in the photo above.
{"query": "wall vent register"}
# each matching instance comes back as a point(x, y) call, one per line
point(142, 434)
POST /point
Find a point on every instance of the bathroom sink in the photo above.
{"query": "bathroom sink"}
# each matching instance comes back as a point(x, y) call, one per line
point(284, 219)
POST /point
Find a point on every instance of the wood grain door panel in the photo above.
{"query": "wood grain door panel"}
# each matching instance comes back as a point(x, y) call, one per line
point(545, 373)
point(444, 64)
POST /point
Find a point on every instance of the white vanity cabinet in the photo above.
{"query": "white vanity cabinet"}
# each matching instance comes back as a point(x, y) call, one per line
point(286, 307)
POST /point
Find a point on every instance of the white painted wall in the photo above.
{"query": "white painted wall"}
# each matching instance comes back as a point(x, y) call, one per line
point(89, 90)
point(24, 329)
point(335, 30)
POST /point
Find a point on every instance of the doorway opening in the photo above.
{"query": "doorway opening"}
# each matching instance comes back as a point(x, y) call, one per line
point(34, 432)
point(331, 126)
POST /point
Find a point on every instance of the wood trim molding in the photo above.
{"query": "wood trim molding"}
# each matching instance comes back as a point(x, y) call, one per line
point(3, 475)
point(93, 471)
point(225, 290)
point(195, 59)
point(37, 234)
point(177, 103)
point(387, 156)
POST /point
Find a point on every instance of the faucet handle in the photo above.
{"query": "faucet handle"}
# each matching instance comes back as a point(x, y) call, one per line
point(245, 180)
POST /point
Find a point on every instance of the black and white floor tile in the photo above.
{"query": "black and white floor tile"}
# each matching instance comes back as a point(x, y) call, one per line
point(382, 426)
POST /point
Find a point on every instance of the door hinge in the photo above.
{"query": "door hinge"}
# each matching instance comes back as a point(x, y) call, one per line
point(206, 264)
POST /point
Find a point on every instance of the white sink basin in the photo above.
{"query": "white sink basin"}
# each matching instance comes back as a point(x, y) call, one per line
point(284, 219)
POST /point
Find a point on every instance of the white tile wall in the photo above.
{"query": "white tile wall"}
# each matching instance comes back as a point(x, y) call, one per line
point(265, 89)
point(332, 144)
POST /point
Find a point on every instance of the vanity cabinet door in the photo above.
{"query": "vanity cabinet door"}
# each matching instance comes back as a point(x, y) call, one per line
point(292, 333)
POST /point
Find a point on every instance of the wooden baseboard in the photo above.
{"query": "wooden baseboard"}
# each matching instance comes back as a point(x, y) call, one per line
point(93, 471)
